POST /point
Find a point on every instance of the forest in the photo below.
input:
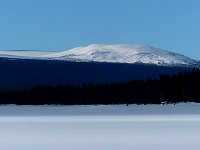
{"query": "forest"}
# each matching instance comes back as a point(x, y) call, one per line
point(180, 87)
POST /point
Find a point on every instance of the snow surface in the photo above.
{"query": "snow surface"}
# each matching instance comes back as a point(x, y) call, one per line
point(123, 54)
point(99, 110)
point(109, 53)
point(112, 127)
point(23, 53)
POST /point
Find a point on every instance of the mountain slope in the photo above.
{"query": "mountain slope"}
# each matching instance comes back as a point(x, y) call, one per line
point(22, 73)
point(23, 53)
point(123, 54)
point(109, 53)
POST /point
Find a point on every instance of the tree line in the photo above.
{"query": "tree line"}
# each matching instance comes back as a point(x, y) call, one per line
point(181, 87)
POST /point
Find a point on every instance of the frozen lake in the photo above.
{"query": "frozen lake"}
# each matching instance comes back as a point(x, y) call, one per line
point(152, 127)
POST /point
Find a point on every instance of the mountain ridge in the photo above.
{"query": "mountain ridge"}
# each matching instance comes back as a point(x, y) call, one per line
point(120, 53)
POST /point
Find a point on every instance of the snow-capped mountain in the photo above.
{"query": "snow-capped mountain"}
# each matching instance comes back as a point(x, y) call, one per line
point(109, 53)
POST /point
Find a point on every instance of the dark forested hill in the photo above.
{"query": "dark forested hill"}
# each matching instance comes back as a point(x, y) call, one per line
point(25, 81)
point(182, 87)
point(23, 73)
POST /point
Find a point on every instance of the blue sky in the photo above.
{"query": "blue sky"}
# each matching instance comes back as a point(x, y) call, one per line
point(63, 24)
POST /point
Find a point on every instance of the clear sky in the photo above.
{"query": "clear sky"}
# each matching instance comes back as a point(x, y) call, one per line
point(63, 24)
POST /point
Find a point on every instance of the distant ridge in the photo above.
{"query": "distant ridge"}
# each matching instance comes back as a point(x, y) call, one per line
point(109, 53)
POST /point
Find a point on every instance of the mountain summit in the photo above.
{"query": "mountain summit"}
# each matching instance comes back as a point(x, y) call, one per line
point(123, 54)
point(109, 53)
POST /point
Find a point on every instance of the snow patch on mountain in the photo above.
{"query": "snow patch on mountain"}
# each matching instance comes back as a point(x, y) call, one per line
point(123, 54)
point(108, 53)
point(23, 53)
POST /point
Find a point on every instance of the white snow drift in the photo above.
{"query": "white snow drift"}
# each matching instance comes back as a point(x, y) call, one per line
point(109, 53)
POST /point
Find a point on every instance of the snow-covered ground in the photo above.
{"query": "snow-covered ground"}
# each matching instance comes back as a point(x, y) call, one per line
point(112, 127)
